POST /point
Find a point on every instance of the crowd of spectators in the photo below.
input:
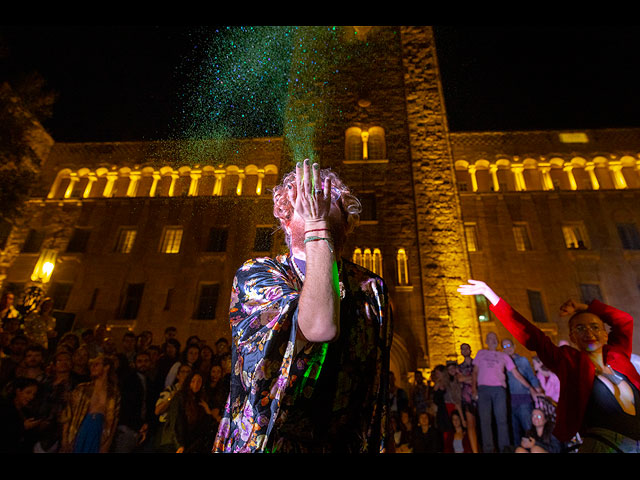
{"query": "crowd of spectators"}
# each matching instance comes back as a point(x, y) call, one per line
point(87, 392)
point(462, 407)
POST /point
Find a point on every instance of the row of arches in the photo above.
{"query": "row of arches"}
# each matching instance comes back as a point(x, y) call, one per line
point(165, 181)
point(578, 173)
point(371, 259)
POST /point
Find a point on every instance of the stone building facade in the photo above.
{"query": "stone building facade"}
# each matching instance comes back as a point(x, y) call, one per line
point(148, 234)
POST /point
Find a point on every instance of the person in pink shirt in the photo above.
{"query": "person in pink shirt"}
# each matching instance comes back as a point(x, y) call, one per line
point(549, 381)
point(550, 384)
point(490, 388)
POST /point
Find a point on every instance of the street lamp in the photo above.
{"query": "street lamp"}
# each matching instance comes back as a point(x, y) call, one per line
point(44, 266)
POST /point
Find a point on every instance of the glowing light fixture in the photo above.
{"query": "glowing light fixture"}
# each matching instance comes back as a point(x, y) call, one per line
point(44, 266)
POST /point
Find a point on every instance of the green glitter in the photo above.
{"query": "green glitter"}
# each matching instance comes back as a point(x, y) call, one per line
point(258, 81)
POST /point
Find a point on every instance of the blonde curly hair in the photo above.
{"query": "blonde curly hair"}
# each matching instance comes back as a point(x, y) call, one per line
point(340, 194)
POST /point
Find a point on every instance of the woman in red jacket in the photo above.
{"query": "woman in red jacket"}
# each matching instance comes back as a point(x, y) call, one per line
point(599, 386)
point(457, 440)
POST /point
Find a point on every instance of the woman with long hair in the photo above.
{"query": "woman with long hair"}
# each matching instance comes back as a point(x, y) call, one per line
point(448, 398)
point(193, 417)
point(539, 438)
point(457, 441)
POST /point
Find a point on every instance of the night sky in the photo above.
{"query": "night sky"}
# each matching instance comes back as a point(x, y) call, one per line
point(128, 83)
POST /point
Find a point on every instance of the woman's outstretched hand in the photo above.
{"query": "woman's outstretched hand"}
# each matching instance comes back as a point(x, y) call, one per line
point(476, 287)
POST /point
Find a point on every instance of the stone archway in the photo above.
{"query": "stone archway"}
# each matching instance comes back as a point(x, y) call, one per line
point(400, 361)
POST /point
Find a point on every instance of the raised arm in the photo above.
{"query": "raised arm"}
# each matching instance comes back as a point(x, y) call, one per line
point(621, 323)
point(524, 331)
point(319, 304)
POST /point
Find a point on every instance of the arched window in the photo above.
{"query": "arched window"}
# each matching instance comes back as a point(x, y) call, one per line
point(376, 144)
point(376, 266)
point(367, 259)
point(357, 256)
point(402, 266)
point(353, 144)
point(61, 184)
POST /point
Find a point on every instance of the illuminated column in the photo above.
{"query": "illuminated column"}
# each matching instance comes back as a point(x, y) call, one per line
point(217, 189)
point(240, 181)
point(87, 190)
point(493, 169)
point(193, 186)
point(259, 186)
point(154, 185)
point(174, 177)
point(618, 179)
point(519, 177)
point(474, 181)
point(72, 183)
point(134, 178)
point(55, 186)
point(547, 182)
point(111, 179)
point(570, 177)
point(365, 147)
point(589, 168)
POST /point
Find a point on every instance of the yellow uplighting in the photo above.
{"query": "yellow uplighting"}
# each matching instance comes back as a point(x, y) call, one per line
point(44, 266)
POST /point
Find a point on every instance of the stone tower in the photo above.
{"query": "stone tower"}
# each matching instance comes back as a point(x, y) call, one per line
point(383, 128)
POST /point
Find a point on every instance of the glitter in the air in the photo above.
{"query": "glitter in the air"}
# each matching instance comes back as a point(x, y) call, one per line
point(257, 81)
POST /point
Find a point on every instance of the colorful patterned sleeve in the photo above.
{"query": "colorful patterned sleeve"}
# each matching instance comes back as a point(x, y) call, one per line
point(263, 316)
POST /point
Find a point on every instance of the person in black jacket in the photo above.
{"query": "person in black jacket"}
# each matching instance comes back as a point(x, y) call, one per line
point(16, 420)
point(426, 438)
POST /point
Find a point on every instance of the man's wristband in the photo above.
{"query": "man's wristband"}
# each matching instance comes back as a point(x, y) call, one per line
point(315, 239)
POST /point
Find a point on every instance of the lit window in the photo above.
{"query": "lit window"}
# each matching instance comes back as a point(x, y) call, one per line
point(353, 144)
point(357, 257)
point(126, 239)
point(376, 144)
point(629, 236)
point(402, 267)
point(537, 308)
point(171, 240)
point(482, 308)
point(362, 145)
point(367, 259)
point(471, 235)
point(575, 236)
point(376, 264)
point(521, 237)
point(577, 137)
point(207, 300)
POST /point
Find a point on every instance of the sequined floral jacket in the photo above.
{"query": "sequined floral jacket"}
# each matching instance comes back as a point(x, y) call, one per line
point(321, 397)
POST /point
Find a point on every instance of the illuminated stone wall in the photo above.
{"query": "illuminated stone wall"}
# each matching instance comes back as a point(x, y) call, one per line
point(571, 219)
point(450, 318)
point(99, 274)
